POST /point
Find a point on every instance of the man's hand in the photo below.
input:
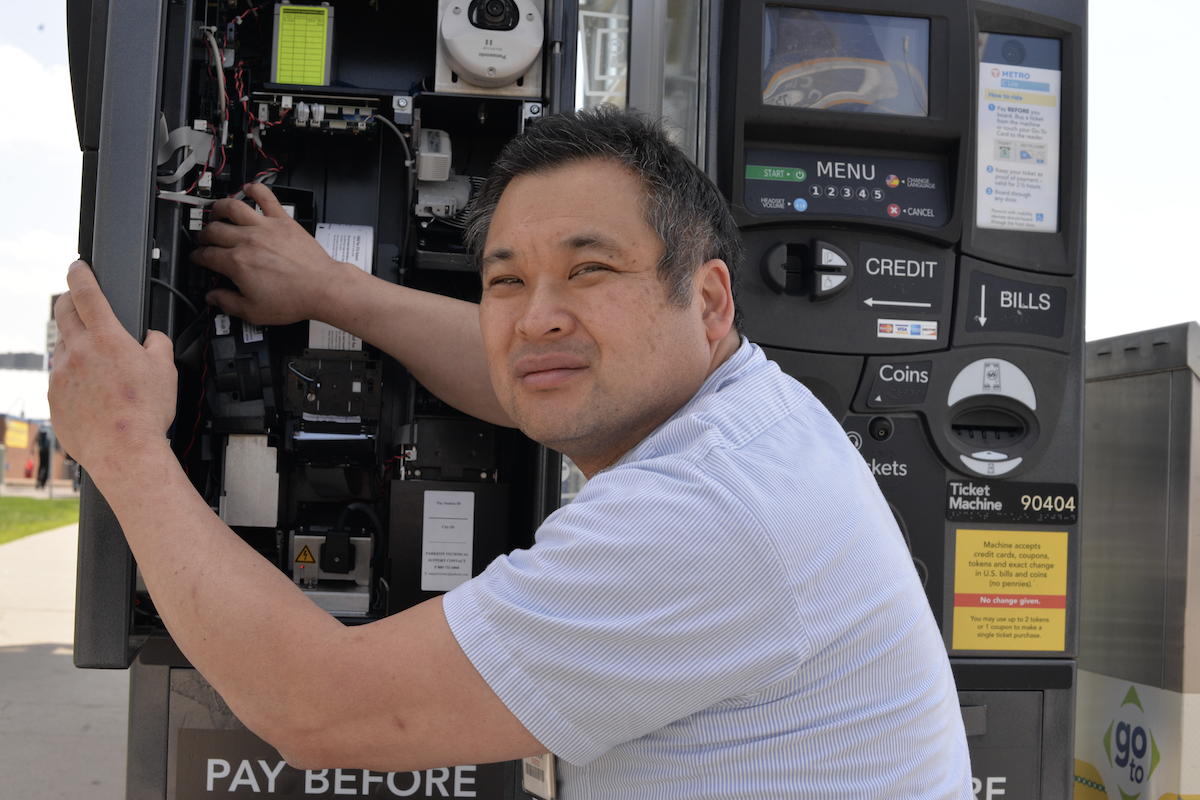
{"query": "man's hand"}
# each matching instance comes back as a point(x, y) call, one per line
point(281, 273)
point(110, 397)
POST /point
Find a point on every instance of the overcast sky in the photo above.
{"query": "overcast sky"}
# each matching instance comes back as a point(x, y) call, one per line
point(1142, 132)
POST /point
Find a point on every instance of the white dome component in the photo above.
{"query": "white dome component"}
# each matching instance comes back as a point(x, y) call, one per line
point(480, 47)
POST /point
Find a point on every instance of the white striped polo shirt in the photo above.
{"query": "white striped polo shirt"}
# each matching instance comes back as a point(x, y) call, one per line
point(728, 612)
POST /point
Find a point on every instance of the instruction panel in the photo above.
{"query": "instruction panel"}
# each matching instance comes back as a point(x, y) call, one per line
point(1017, 143)
point(355, 245)
point(1010, 590)
point(448, 540)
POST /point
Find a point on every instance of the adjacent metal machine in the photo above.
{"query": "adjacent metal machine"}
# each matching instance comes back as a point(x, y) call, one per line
point(908, 177)
point(1138, 720)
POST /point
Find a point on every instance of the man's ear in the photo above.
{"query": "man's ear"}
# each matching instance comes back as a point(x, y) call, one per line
point(716, 299)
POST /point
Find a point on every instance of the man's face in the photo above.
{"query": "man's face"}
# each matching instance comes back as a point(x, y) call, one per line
point(586, 352)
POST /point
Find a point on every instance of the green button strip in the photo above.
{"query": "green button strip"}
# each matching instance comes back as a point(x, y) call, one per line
point(794, 174)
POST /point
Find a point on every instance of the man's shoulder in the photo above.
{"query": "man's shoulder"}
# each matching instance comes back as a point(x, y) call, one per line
point(741, 401)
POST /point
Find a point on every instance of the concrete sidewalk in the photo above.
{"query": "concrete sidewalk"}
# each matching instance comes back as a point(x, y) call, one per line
point(62, 490)
point(62, 730)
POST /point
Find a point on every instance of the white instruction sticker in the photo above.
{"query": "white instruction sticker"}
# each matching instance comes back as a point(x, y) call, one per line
point(355, 245)
point(1017, 145)
point(322, 336)
point(538, 778)
point(251, 332)
point(447, 540)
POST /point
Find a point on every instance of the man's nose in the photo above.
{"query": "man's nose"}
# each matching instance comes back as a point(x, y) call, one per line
point(547, 312)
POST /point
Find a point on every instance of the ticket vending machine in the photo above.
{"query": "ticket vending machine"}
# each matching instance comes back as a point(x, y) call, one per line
point(374, 123)
point(909, 181)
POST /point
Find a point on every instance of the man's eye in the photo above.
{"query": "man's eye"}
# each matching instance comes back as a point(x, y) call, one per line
point(588, 269)
point(504, 280)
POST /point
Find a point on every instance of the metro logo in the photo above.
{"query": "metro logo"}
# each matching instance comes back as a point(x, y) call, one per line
point(1137, 754)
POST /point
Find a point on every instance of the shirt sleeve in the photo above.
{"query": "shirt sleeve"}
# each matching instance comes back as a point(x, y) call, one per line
point(654, 595)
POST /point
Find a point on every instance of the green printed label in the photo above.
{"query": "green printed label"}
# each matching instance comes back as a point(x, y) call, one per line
point(775, 173)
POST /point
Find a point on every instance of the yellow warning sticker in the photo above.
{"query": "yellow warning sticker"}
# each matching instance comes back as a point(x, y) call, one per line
point(305, 556)
point(1010, 590)
point(300, 48)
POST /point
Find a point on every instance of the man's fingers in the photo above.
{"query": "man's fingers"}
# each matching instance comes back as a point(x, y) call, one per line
point(158, 344)
point(235, 211)
point(66, 317)
point(222, 234)
point(229, 301)
point(270, 205)
point(89, 302)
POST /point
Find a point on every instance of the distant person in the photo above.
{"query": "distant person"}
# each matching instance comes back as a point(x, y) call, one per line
point(43, 458)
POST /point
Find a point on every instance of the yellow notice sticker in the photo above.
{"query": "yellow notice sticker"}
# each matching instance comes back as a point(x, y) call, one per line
point(305, 556)
point(1010, 590)
point(16, 435)
point(301, 45)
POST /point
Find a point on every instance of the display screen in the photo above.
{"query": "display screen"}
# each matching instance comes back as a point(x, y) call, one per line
point(1017, 139)
point(845, 62)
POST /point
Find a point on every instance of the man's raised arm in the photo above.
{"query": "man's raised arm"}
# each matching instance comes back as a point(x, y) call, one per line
point(284, 276)
point(241, 622)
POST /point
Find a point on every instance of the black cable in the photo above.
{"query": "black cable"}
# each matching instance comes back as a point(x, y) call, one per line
point(182, 298)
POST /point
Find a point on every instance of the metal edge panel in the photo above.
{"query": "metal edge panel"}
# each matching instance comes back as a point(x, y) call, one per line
point(120, 252)
point(1058, 740)
point(125, 188)
point(564, 44)
point(103, 587)
point(1190, 677)
point(146, 764)
point(647, 55)
point(1180, 453)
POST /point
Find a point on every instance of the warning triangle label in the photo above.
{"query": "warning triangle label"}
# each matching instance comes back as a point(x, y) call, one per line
point(305, 556)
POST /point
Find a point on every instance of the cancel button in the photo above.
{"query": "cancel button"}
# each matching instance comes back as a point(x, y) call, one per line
point(900, 383)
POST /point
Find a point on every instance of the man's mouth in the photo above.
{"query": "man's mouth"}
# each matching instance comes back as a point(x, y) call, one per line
point(548, 371)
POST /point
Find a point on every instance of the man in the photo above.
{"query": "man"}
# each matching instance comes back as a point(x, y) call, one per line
point(726, 610)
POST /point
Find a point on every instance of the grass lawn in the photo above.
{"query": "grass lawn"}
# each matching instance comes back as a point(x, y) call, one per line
point(21, 516)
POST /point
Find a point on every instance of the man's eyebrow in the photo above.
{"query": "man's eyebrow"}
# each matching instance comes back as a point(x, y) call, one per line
point(582, 241)
point(592, 241)
point(499, 255)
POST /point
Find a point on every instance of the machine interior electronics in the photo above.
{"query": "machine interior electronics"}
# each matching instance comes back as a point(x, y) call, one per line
point(316, 447)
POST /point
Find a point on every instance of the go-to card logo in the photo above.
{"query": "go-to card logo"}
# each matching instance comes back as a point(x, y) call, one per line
point(1130, 746)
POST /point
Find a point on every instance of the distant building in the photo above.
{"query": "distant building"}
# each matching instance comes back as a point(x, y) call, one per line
point(22, 361)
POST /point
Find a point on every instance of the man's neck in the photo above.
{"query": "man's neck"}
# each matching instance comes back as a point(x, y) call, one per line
point(590, 465)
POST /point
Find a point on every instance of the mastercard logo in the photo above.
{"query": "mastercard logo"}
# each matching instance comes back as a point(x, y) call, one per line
point(893, 181)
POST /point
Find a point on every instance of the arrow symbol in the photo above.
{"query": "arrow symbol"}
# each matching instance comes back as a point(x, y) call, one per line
point(870, 301)
point(983, 305)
